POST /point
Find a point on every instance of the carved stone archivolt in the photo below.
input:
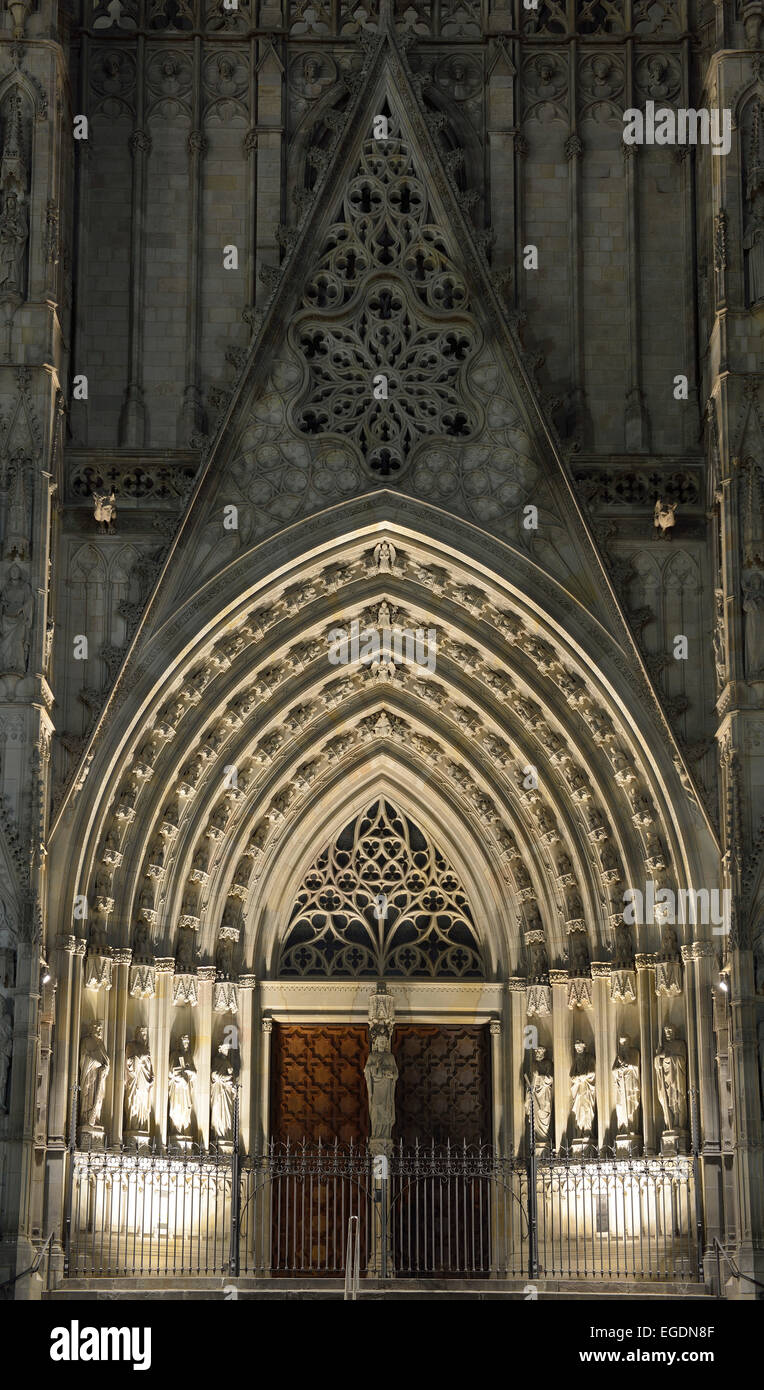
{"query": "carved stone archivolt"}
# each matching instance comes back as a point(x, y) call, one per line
point(505, 694)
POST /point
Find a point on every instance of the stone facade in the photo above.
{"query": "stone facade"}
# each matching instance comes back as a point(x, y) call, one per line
point(435, 380)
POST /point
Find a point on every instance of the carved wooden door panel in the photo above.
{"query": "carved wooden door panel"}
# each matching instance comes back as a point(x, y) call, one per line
point(444, 1084)
point(440, 1221)
point(318, 1092)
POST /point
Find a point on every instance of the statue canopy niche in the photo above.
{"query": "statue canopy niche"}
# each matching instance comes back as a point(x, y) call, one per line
point(382, 900)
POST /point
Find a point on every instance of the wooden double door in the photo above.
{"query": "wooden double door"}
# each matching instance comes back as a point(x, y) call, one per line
point(318, 1089)
point(318, 1093)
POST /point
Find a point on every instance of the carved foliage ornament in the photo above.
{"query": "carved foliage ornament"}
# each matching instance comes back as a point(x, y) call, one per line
point(382, 900)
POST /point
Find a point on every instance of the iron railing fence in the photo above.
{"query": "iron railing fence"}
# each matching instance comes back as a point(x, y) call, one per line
point(423, 1211)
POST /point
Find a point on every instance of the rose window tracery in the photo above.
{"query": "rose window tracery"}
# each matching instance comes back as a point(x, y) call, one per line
point(381, 901)
point(385, 300)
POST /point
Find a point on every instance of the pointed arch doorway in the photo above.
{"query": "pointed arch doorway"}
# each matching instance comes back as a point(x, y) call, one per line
point(382, 902)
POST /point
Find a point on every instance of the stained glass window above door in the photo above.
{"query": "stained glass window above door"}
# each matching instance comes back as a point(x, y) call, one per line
point(382, 900)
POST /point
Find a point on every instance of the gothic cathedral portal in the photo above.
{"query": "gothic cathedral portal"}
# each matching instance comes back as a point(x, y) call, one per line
point(381, 647)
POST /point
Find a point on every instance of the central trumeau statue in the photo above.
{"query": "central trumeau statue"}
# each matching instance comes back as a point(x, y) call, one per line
point(381, 1070)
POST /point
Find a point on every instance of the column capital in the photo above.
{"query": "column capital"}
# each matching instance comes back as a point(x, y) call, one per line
point(697, 950)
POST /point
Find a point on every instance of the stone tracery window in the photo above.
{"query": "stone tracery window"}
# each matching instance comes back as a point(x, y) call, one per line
point(386, 301)
point(424, 928)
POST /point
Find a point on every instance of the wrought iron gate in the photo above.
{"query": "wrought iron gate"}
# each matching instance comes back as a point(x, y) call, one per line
point(434, 1211)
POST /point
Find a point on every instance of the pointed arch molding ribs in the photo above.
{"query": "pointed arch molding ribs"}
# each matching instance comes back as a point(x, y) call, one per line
point(509, 635)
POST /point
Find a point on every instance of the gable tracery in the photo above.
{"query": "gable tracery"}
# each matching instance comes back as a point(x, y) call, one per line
point(386, 310)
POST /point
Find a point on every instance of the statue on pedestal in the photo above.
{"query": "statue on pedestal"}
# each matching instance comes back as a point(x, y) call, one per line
point(16, 610)
point(222, 1093)
point(627, 1091)
point(182, 1081)
point(540, 1085)
point(139, 1074)
point(14, 234)
point(381, 1070)
point(582, 1089)
point(671, 1077)
point(94, 1069)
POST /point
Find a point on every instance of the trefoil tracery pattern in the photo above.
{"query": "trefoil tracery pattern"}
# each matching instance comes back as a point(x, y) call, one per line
point(381, 901)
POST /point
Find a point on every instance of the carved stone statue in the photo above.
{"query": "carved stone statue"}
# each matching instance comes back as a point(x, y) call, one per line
point(664, 518)
point(94, 1069)
point(182, 1082)
point(16, 609)
point(753, 607)
point(540, 1085)
point(720, 656)
point(142, 942)
point(381, 1072)
point(6, 1052)
point(184, 959)
point(627, 1091)
point(753, 244)
point(582, 1089)
point(105, 510)
point(671, 1077)
point(14, 234)
point(384, 557)
point(139, 1080)
point(222, 1092)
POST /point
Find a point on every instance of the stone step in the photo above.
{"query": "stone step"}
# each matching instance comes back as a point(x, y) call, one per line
point(92, 1290)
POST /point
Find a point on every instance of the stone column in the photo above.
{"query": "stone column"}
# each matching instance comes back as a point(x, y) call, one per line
point(65, 968)
point(118, 1032)
point(247, 1056)
point(746, 1091)
point(192, 416)
point(266, 1026)
point(205, 975)
point(645, 967)
point(636, 423)
point(515, 1089)
point(561, 1053)
point(604, 1047)
point(497, 1069)
point(574, 153)
point(159, 1042)
point(500, 121)
point(132, 421)
point(270, 134)
point(701, 976)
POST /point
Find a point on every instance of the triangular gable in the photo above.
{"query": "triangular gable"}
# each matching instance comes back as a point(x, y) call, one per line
point(407, 293)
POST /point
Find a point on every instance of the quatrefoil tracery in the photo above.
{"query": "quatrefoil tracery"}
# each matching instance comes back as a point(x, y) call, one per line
point(386, 299)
